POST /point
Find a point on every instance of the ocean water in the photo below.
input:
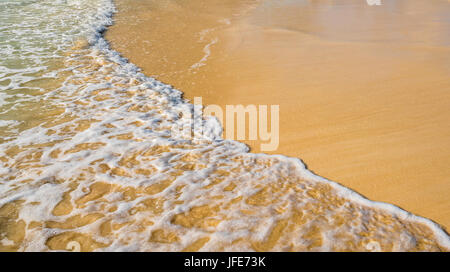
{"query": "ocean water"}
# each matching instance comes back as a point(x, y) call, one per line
point(90, 159)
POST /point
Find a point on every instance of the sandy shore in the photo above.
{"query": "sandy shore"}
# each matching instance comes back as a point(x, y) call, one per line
point(364, 91)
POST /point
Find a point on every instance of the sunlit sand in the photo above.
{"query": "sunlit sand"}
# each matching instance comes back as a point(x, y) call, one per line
point(92, 157)
point(364, 91)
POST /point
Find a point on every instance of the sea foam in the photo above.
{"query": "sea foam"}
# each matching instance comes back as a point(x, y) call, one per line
point(108, 171)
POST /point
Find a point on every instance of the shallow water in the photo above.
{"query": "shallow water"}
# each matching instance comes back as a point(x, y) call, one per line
point(363, 91)
point(108, 171)
point(34, 36)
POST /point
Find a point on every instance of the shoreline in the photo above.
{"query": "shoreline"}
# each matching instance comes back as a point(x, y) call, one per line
point(365, 137)
point(113, 173)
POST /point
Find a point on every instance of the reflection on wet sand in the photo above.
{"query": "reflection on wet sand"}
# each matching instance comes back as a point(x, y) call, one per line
point(363, 90)
point(112, 173)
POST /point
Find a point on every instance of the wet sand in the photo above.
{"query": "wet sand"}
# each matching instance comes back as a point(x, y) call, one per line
point(364, 91)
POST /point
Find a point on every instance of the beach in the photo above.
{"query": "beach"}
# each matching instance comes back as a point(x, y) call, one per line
point(364, 91)
point(104, 146)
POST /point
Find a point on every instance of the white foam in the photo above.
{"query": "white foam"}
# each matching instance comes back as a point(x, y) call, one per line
point(167, 104)
point(5, 123)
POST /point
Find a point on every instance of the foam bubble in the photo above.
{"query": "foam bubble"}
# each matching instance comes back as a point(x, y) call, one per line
point(109, 172)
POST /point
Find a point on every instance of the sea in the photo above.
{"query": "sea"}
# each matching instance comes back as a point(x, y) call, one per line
point(92, 158)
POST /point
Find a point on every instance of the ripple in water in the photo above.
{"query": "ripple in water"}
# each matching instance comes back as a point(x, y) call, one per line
point(98, 164)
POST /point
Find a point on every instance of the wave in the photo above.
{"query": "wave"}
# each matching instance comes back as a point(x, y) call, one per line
point(108, 172)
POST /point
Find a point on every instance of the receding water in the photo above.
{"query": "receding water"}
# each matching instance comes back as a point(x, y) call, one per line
point(33, 38)
point(89, 156)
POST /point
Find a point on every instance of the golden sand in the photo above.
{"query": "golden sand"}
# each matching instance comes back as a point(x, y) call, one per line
point(260, 203)
point(364, 91)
